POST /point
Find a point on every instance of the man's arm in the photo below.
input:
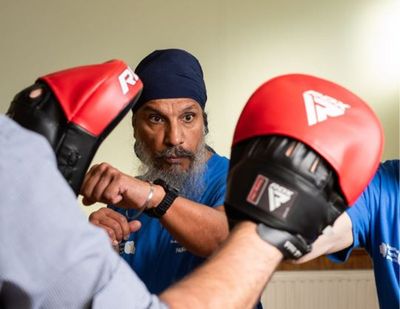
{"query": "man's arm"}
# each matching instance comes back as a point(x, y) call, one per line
point(234, 277)
point(199, 228)
point(208, 226)
point(335, 238)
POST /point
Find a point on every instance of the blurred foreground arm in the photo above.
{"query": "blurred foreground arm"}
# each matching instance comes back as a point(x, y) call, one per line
point(234, 277)
point(50, 256)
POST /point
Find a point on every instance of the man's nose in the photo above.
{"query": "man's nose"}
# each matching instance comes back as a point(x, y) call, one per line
point(174, 135)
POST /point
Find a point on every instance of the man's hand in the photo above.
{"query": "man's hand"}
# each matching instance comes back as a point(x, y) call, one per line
point(106, 184)
point(115, 224)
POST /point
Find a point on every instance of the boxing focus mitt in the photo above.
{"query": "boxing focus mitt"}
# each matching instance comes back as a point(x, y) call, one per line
point(76, 109)
point(303, 150)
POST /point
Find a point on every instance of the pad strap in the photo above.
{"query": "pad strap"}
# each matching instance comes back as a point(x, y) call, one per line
point(291, 246)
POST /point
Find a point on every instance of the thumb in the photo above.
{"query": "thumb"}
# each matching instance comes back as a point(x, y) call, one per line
point(134, 225)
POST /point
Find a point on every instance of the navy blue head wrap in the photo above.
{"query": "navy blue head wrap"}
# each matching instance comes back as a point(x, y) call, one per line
point(171, 73)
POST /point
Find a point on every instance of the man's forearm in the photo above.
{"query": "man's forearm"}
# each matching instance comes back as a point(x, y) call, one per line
point(199, 228)
point(338, 237)
point(234, 277)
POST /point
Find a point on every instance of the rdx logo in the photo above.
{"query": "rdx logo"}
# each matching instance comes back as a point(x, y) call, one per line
point(319, 107)
point(127, 77)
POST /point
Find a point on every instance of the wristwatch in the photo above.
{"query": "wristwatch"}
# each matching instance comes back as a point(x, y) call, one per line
point(170, 195)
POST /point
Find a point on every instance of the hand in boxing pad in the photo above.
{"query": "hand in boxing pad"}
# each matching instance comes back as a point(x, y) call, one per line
point(303, 150)
point(75, 109)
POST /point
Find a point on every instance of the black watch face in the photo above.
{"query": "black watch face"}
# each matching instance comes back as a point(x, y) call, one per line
point(160, 182)
point(166, 187)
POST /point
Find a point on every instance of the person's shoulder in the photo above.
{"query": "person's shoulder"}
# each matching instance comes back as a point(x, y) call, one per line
point(387, 174)
point(217, 159)
point(384, 186)
point(390, 166)
point(19, 144)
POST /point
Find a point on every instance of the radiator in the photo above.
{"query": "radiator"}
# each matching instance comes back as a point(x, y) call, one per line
point(348, 289)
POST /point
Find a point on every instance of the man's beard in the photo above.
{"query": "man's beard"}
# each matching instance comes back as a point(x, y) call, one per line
point(190, 182)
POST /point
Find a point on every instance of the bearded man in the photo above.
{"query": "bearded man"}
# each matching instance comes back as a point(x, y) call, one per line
point(178, 197)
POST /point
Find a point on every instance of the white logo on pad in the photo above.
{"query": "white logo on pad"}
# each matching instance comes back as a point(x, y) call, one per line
point(127, 77)
point(319, 107)
point(292, 249)
point(278, 195)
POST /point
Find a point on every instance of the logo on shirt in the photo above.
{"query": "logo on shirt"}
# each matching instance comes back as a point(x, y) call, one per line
point(390, 253)
point(319, 107)
point(178, 248)
point(129, 247)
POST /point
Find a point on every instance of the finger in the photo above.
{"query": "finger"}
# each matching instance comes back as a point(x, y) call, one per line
point(99, 191)
point(122, 221)
point(86, 178)
point(134, 226)
point(91, 179)
point(110, 233)
point(114, 225)
point(112, 193)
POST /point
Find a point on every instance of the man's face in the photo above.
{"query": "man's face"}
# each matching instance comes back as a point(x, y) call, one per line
point(171, 131)
point(170, 143)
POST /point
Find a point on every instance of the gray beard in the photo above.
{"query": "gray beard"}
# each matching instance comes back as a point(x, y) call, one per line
point(190, 183)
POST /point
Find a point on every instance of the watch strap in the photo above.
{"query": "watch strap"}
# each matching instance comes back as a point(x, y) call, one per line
point(170, 195)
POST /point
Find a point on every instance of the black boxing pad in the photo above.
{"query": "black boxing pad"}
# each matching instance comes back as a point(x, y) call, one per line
point(295, 188)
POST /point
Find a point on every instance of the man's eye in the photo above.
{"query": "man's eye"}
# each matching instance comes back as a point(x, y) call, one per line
point(155, 118)
point(188, 117)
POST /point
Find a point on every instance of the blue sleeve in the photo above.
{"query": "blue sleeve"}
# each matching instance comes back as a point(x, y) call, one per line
point(217, 177)
point(220, 194)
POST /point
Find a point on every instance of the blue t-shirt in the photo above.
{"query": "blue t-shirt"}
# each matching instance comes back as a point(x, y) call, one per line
point(157, 258)
point(376, 227)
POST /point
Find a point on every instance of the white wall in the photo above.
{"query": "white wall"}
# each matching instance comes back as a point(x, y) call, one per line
point(239, 43)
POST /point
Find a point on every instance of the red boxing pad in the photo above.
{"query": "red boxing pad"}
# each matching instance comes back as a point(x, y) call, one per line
point(331, 120)
point(93, 96)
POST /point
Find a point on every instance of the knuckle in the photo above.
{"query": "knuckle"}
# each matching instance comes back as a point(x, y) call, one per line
point(114, 225)
point(93, 216)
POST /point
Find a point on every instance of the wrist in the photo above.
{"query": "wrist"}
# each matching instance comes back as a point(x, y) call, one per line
point(158, 195)
point(170, 194)
point(292, 246)
point(248, 230)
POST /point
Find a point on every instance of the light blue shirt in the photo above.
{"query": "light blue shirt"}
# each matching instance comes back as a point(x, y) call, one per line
point(50, 256)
